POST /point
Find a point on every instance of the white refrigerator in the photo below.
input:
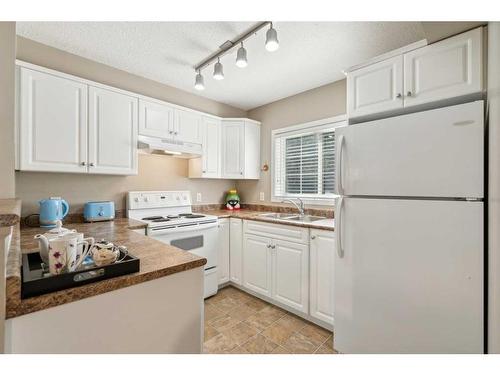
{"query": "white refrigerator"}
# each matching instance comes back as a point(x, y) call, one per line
point(409, 263)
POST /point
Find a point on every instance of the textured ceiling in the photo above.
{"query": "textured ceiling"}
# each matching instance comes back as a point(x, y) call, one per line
point(311, 54)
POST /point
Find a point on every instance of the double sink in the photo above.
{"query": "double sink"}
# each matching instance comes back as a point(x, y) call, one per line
point(292, 217)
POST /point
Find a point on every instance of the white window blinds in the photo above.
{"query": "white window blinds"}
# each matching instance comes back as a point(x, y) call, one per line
point(304, 163)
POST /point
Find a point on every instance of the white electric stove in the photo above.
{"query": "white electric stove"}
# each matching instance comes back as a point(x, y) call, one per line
point(170, 219)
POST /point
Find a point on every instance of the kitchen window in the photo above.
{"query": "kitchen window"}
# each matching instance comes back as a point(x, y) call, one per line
point(304, 161)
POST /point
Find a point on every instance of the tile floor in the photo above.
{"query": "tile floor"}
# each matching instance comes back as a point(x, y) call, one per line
point(236, 322)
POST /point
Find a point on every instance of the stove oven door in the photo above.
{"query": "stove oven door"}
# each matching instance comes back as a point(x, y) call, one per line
point(199, 239)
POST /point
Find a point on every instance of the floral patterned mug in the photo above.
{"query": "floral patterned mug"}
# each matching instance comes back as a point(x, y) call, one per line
point(63, 255)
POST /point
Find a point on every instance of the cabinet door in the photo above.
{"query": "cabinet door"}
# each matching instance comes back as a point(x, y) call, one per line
point(322, 250)
point(235, 249)
point(291, 274)
point(188, 126)
point(155, 119)
point(375, 88)
point(252, 151)
point(223, 252)
point(53, 123)
point(112, 132)
point(447, 69)
point(257, 264)
point(211, 147)
point(233, 149)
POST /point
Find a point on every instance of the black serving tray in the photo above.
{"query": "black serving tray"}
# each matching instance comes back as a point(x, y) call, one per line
point(36, 280)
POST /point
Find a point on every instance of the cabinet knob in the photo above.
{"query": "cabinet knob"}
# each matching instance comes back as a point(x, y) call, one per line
point(399, 96)
point(408, 93)
point(313, 237)
point(204, 171)
point(273, 247)
point(170, 131)
point(175, 133)
point(91, 164)
point(241, 173)
point(83, 163)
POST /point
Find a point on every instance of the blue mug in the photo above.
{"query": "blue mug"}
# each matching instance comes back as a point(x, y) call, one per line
point(52, 210)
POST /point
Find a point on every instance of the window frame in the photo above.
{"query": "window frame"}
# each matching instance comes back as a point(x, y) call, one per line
point(326, 123)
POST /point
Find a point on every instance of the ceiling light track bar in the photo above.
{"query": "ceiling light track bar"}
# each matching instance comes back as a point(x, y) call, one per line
point(235, 43)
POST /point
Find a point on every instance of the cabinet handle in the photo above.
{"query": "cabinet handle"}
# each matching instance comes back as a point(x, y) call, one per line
point(408, 93)
point(399, 96)
point(83, 163)
point(273, 247)
point(313, 237)
point(241, 173)
point(268, 246)
point(91, 164)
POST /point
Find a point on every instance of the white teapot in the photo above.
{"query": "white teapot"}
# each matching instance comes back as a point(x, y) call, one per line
point(61, 237)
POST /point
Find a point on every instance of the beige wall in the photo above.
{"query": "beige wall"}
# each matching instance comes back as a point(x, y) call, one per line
point(322, 102)
point(156, 172)
point(7, 95)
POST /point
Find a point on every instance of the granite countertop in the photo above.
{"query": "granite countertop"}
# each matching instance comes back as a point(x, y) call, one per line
point(248, 214)
point(10, 212)
point(157, 260)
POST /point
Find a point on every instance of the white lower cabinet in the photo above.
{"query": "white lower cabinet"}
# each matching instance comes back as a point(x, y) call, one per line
point(274, 267)
point(235, 250)
point(291, 274)
point(257, 264)
point(223, 252)
point(322, 250)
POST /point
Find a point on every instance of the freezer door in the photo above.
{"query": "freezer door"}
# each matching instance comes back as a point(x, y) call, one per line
point(437, 153)
point(409, 276)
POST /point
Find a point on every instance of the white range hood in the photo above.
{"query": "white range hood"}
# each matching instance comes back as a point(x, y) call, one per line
point(169, 147)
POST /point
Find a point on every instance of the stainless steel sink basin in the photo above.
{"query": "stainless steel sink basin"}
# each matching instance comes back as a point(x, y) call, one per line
point(292, 217)
point(306, 218)
point(277, 215)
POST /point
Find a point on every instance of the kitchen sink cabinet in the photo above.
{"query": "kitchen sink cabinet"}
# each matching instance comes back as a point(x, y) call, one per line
point(223, 251)
point(274, 267)
point(322, 250)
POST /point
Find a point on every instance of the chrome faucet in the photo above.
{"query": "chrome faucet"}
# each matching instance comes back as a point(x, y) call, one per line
point(299, 206)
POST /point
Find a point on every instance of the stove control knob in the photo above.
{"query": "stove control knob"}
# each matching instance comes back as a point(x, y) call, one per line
point(136, 199)
point(146, 199)
point(178, 198)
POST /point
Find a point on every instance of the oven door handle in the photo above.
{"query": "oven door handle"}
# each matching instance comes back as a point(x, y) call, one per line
point(182, 229)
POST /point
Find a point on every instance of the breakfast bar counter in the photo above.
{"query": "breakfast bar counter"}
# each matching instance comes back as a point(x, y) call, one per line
point(157, 260)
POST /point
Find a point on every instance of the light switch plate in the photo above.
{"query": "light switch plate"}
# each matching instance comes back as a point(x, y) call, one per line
point(198, 197)
point(261, 196)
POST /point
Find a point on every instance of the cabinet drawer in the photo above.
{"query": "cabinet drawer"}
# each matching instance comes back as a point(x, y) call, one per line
point(278, 231)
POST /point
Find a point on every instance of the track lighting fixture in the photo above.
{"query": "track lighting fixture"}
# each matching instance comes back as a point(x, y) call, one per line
point(272, 44)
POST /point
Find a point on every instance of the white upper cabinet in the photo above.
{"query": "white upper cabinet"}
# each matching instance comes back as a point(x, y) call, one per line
point(376, 88)
point(188, 126)
point(452, 67)
point(449, 71)
point(156, 119)
point(52, 123)
point(112, 132)
point(208, 165)
point(240, 143)
point(321, 256)
point(233, 149)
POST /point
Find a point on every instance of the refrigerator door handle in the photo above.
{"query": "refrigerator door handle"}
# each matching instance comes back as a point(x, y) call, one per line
point(340, 183)
point(338, 228)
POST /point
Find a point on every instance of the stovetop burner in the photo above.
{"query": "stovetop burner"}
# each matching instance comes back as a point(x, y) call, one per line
point(191, 216)
point(160, 220)
point(152, 218)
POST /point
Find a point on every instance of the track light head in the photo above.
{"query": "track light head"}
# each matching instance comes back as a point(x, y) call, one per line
point(272, 43)
point(241, 57)
point(199, 82)
point(218, 71)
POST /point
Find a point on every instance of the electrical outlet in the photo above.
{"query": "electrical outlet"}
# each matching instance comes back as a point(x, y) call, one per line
point(261, 196)
point(198, 197)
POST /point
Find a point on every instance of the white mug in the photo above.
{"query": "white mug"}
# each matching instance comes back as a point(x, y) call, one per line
point(63, 254)
point(82, 249)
